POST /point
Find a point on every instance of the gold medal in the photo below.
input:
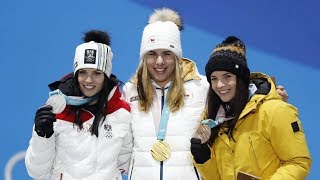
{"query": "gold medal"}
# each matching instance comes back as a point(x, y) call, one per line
point(203, 133)
point(161, 151)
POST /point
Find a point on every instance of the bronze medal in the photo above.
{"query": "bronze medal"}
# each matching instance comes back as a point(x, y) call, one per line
point(203, 133)
point(161, 151)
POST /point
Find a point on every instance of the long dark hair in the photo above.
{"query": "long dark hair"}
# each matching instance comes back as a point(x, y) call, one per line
point(101, 107)
point(237, 103)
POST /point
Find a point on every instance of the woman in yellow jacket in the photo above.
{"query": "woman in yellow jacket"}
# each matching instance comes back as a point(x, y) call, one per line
point(254, 134)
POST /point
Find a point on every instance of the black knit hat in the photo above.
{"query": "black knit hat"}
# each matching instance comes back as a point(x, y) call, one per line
point(229, 56)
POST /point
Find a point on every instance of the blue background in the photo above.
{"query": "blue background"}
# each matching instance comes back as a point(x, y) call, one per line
point(38, 38)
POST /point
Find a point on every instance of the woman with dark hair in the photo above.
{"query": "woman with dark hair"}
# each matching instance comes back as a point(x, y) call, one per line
point(254, 134)
point(87, 133)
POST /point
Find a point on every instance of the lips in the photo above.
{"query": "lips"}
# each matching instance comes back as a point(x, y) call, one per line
point(159, 70)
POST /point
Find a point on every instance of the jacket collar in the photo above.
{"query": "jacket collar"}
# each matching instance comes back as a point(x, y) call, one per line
point(258, 99)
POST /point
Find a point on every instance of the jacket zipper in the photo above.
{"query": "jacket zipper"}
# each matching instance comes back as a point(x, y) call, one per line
point(254, 152)
point(196, 171)
point(162, 104)
point(131, 169)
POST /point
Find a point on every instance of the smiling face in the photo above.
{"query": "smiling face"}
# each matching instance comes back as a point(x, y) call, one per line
point(224, 84)
point(161, 66)
point(90, 81)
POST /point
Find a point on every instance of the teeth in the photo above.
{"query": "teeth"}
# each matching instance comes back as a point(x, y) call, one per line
point(89, 86)
point(159, 70)
point(224, 91)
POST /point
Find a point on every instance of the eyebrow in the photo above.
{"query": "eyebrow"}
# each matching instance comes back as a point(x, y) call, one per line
point(227, 73)
point(165, 51)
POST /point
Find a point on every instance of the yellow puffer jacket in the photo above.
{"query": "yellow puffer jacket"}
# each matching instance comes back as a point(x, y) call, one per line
point(269, 142)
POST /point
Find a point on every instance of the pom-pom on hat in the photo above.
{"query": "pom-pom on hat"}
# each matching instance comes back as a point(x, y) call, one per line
point(94, 53)
point(162, 32)
point(229, 56)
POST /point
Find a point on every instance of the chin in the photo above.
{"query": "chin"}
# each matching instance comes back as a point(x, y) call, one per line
point(88, 94)
point(225, 99)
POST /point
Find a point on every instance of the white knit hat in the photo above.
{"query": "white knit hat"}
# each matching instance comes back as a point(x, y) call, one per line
point(162, 33)
point(93, 55)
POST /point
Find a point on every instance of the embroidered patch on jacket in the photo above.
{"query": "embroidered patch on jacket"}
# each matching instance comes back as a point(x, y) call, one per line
point(108, 131)
point(295, 126)
point(188, 97)
point(85, 128)
point(90, 56)
point(135, 98)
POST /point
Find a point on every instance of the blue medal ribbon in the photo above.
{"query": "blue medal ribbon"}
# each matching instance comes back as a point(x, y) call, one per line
point(219, 120)
point(163, 123)
point(74, 101)
point(211, 123)
point(162, 130)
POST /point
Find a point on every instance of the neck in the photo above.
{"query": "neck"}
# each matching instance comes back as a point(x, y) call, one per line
point(229, 108)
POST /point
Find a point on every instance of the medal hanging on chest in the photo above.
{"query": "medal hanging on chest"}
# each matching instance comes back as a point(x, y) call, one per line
point(161, 150)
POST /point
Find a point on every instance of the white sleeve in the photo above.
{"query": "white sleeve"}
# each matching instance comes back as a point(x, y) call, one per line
point(40, 156)
point(125, 153)
point(127, 146)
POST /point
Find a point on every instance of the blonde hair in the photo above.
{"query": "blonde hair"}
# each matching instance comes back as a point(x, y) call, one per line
point(175, 98)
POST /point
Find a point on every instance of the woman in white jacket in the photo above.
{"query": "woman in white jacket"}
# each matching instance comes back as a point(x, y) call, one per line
point(166, 96)
point(91, 138)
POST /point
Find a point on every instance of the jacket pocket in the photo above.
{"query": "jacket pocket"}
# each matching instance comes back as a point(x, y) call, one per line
point(254, 153)
point(264, 157)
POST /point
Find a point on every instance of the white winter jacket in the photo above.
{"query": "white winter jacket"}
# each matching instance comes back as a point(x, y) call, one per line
point(74, 154)
point(180, 129)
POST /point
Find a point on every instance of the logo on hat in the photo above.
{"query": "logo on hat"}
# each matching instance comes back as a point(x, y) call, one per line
point(90, 56)
point(152, 39)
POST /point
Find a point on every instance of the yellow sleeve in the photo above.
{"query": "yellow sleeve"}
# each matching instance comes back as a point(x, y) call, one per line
point(209, 169)
point(289, 143)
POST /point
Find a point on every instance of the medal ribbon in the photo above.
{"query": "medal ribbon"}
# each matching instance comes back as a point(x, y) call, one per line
point(163, 123)
point(73, 101)
point(220, 118)
point(211, 123)
point(162, 130)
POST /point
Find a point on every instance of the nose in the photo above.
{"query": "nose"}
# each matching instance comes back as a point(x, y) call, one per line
point(159, 60)
point(88, 79)
point(220, 84)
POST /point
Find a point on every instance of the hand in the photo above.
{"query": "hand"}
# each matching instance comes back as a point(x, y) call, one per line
point(43, 121)
point(283, 93)
point(200, 152)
